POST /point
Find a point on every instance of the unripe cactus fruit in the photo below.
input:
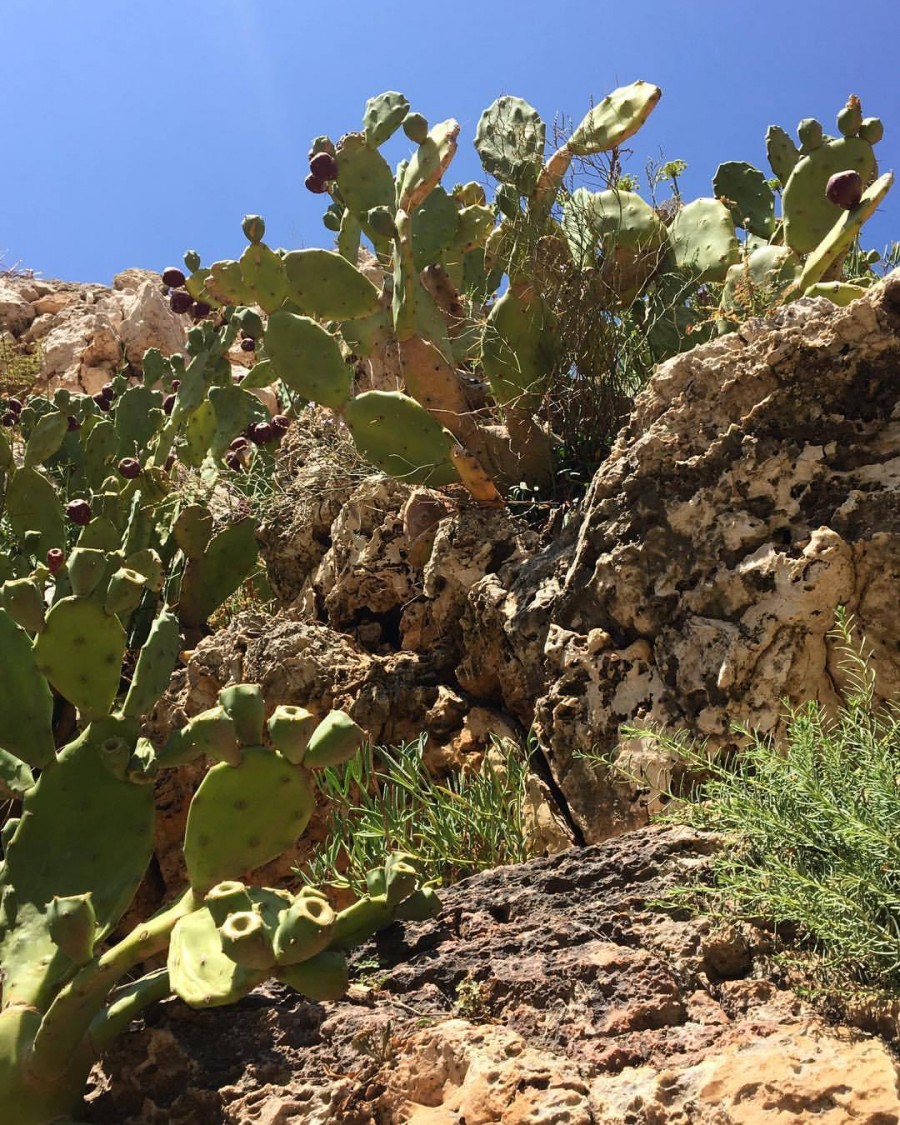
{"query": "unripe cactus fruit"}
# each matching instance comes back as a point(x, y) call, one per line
point(173, 277)
point(180, 301)
point(323, 166)
point(845, 189)
point(415, 126)
point(78, 512)
point(253, 227)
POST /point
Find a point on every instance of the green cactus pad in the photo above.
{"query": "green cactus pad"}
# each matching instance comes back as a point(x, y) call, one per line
point(336, 739)
point(308, 359)
point(15, 778)
point(263, 274)
point(840, 293)
point(510, 140)
point(703, 240)
point(261, 374)
point(80, 652)
point(46, 438)
point(808, 213)
point(518, 349)
point(124, 593)
point(383, 116)
point(323, 284)
point(86, 566)
point(155, 664)
point(365, 178)
point(33, 505)
point(427, 164)
point(245, 706)
point(762, 280)
point(419, 907)
point(615, 119)
point(24, 603)
point(435, 226)
point(139, 417)
point(357, 923)
point(746, 193)
point(810, 135)
point(212, 732)
point(228, 897)
point(246, 939)
point(399, 436)
point(193, 530)
point(304, 929)
point(844, 232)
point(199, 972)
point(26, 703)
point(99, 452)
point(290, 729)
point(781, 152)
point(625, 228)
point(401, 877)
point(213, 577)
point(73, 926)
point(146, 561)
point(82, 831)
point(226, 284)
point(234, 409)
point(323, 977)
point(244, 816)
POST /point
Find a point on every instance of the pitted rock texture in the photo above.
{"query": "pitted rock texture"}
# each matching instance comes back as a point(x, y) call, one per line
point(547, 992)
point(755, 488)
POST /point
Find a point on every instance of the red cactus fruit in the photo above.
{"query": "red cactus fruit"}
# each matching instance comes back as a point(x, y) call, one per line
point(845, 189)
point(79, 512)
point(129, 468)
point(55, 560)
point(173, 277)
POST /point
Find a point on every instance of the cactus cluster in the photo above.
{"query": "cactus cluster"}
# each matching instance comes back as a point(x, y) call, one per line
point(74, 858)
point(475, 294)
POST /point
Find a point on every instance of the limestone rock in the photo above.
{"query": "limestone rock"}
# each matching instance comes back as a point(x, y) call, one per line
point(16, 313)
point(148, 322)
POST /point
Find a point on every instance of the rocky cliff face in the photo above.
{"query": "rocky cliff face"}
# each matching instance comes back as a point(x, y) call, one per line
point(755, 489)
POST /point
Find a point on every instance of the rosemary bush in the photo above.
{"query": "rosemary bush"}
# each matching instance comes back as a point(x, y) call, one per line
point(811, 826)
point(386, 799)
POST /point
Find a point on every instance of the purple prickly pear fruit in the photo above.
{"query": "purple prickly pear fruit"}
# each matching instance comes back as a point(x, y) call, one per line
point(845, 189)
point(233, 460)
point(9, 419)
point(315, 185)
point(168, 404)
point(79, 512)
point(239, 443)
point(201, 310)
point(180, 301)
point(176, 383)
point(73, 423)
point(129, 468)
point(280, 422)
point(102, 401)
point(323, 166)
point(262, 433)
point(107, 391)
point(55, 560)
point(173, 277)
point(248, 345)
point(14, 405)
point(170, 461)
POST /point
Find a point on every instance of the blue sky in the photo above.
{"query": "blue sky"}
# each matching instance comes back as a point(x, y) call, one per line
point(135, 130)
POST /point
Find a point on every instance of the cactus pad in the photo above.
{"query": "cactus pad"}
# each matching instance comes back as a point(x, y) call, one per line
point(323, 284)
point(80, 652)
point(244, 816)
point(308, 359)
point(703, 240)
point(399, 436)
point(26, 704)
point(510, 140)
point(615, 119)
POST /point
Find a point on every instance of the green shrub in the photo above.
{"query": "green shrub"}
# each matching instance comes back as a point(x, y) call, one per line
point(386, 798)
point(811, 826)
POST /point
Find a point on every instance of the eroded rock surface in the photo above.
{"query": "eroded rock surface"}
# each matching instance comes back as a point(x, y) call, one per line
point(546, 992)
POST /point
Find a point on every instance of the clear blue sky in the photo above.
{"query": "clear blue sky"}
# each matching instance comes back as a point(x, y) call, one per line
point(133, 130)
